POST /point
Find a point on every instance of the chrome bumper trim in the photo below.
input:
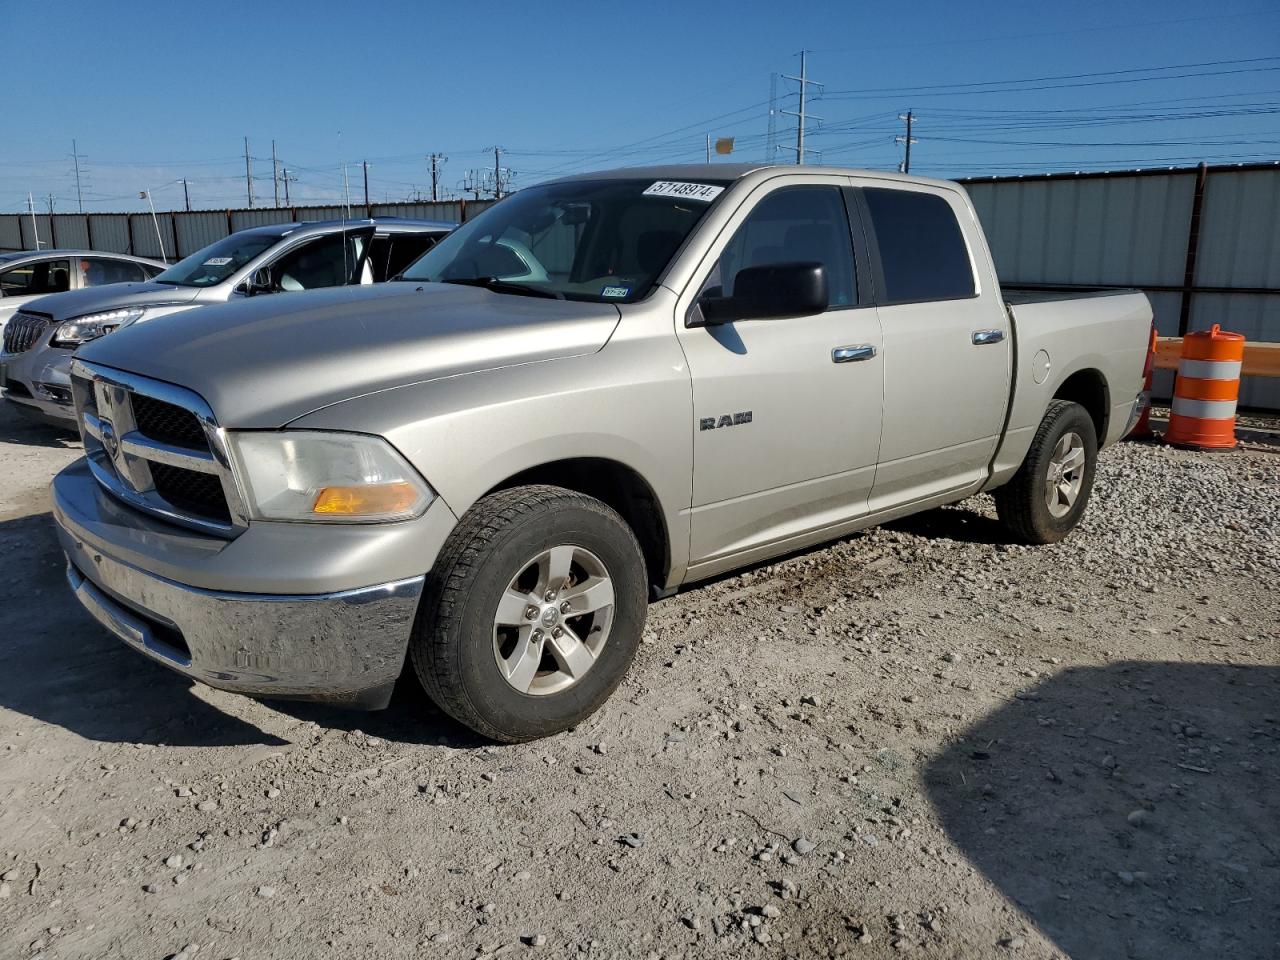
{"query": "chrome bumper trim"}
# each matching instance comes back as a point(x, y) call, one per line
point(345, 648)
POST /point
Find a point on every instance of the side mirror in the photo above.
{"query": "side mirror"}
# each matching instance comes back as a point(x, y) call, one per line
point(260, 282)
point(776, 290)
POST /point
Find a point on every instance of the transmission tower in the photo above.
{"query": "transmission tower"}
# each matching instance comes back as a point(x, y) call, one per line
point(802, 115)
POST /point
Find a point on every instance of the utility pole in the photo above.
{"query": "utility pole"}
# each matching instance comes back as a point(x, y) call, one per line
point(49, 199)
point(285, 176)
point(365, 164)
point(186, 194)
point(708, 148)
point(497, 173)
point(248, 172)
point(907, 141)
point(275, 174)
point(802, 115)
point(771, 141)
point(35, 227)
point(75, 155)
point(437, 161)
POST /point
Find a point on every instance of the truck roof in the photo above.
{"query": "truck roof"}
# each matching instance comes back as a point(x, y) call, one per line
point(737, 171)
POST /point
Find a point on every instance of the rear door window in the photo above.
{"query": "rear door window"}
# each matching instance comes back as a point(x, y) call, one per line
point(923, 255)
point(405, 249)
point(98, 271)
point(36, 279)
point(328, 261)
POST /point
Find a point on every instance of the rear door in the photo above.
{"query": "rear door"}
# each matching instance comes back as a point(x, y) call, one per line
point(786, 427)
point(947, 344)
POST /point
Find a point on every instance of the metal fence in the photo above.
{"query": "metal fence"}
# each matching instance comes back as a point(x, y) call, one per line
point(184, 232)
point(1203, 242)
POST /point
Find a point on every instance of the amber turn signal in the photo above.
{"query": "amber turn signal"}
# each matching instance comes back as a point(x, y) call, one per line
point(372, 500)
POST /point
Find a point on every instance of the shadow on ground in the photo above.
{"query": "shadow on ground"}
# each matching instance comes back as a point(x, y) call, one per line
point(1131, 810)
point(58, 665)
point(953, 523)
point(16, 428)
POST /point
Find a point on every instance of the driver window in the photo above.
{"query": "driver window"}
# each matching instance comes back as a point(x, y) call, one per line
point(324, 262)
point(792, 225)
point(49, 276)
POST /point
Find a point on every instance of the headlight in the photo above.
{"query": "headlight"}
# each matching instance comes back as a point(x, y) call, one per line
point(94, 325)
point(327, 477)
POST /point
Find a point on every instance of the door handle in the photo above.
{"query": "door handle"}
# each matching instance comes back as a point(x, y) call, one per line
point(983, 337)
point(852, 354)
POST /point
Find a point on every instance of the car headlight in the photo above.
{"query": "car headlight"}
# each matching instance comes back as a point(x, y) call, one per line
point(94, 325)
point(326, 477)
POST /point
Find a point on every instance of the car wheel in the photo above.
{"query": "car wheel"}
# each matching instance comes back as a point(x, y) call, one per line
point(532, 614)
point(1047, 496)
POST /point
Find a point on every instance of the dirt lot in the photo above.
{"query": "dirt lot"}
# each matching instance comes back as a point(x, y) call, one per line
point(916, 740)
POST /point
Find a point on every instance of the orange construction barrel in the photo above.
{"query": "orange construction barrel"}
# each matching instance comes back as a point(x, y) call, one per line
point(1206, 389)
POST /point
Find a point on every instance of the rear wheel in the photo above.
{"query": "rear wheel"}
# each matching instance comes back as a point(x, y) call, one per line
point(533, 613)
point(1047, 496)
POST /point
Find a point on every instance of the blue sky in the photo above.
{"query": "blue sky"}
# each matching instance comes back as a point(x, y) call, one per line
point(156, 91)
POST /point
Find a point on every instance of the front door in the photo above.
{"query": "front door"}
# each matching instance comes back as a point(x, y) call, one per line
point(786, 411)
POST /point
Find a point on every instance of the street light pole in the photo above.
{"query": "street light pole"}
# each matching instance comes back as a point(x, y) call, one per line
point(146, 194)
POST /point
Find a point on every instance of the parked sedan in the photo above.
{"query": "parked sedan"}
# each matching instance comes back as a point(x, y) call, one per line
point(29, 274)
point(39, 340)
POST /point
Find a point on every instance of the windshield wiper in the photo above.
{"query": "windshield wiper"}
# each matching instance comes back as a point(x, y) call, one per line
point(498, 285)
point(167, 283)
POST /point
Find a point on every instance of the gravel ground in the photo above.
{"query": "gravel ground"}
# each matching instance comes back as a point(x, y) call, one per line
point(916, 740)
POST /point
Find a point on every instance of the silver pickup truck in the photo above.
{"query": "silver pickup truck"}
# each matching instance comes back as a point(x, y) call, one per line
point(596, 392)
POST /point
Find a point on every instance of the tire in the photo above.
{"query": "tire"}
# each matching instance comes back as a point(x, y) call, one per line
point(1023, 504)
point(504, 552)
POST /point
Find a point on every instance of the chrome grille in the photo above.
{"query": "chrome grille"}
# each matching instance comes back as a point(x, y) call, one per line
point(156, 447)
point(23, 330)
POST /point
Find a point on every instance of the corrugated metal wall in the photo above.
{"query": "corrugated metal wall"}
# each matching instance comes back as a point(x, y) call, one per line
point(185, 232)
point(1134, 229)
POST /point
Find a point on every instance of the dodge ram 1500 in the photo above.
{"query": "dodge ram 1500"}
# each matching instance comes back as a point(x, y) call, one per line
point(596, 392)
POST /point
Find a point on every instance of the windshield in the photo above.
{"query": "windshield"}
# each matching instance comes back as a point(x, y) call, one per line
point(216, 262)
point(596, 240)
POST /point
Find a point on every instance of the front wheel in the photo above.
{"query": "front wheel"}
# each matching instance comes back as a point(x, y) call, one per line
point(533, 613)
point(1047, 496)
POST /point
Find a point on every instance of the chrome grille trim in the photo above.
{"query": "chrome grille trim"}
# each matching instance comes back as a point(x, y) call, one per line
point(24, 330)
point(120, 456)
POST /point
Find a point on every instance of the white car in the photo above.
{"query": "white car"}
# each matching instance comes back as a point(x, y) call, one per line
point(27, 274)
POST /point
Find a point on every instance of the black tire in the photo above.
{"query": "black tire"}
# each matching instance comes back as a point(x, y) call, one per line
point(452, 647)
point(1022, 504)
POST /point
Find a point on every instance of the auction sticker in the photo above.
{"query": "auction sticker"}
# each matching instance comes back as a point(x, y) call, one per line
point(217, 261)
point(616, 292)
point(705, 192)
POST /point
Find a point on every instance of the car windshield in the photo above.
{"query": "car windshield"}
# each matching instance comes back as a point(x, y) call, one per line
point(216, 262)
point(594, 240)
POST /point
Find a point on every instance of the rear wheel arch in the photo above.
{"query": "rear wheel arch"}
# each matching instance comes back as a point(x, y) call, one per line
point(1089, 388)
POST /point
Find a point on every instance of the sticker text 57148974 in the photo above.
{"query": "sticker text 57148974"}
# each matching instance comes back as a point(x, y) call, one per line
point(706, 192)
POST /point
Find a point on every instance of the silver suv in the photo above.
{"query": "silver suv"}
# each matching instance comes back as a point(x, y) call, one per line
point(40, 338)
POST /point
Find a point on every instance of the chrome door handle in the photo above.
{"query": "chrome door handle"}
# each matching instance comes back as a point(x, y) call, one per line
point(852, 354)
point(983, 337)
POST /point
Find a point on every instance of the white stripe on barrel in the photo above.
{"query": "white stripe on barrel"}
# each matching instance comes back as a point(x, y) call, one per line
point(1204, 409)
point(1209, 369)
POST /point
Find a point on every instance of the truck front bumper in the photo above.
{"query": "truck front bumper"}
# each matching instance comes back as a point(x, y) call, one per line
point(344, 647)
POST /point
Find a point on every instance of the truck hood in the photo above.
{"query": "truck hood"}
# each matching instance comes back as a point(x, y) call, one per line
point(76, 303)
point(264, 362)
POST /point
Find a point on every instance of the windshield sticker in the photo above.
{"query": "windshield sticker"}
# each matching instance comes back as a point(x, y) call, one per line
point(616, 292)
point(690, 191)
point(217, 261)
